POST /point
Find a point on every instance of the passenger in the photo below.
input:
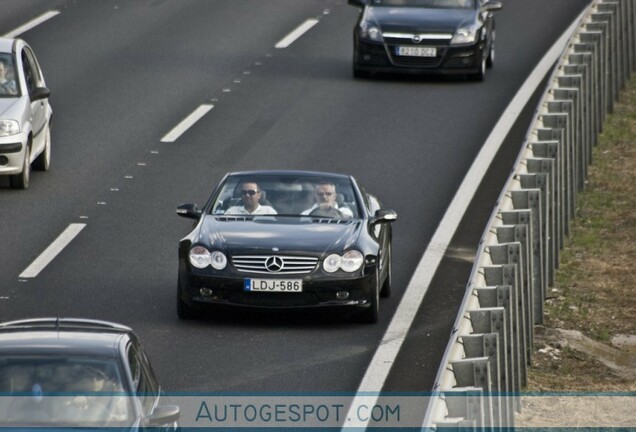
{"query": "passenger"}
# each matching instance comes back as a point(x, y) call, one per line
point(7, 87)
point(326, 203)
point(251, 196)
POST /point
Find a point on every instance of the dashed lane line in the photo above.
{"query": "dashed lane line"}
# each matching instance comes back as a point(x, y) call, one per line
point(52, 251)
point(295, 34)
point(33, 23)
point(187, 123)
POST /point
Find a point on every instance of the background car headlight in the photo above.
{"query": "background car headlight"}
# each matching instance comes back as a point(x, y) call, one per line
point(370, 32)
point(199, 257)
point(332, 263)
point(9, 127)
point(351, 261)
point(465, 35)
point(218, 260)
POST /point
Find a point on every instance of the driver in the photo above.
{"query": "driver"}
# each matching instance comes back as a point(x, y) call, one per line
point(326, 204)
point(251, 195)
point(6, 86)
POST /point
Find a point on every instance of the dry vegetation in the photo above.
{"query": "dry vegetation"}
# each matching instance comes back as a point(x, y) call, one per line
point(595, 290)
point(588, 341)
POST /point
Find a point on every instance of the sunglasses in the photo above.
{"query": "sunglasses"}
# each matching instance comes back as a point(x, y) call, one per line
point(250, 192)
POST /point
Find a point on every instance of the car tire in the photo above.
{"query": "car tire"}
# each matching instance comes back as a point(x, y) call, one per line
point(43, 161)
point(184, 311)
point(481, 75)
point(371, 314)
point(490, 61)
point(360, 74)
point(21, 181)
point(388, 280)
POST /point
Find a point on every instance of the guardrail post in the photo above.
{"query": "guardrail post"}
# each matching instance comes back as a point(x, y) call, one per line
point(603, 22)
point(583, 64)
point(579, 141)
point(593, 41)
point(531, 199)
point(465, 404)
point(475, 372)
point(608, 11)
point(550, 150)
point(560, 122)
point(544, 168)
point(542, 181)
point(498, 323)
point(506, 274)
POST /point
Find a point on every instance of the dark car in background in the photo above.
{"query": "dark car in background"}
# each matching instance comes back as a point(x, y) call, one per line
point(77, 373)
point(317, 240)
point(425, 37)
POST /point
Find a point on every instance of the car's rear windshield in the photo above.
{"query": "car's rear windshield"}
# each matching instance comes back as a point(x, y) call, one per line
point(62, 390)
point(466, 4)
point(286, 195)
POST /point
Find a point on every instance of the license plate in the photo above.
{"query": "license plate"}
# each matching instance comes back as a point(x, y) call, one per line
point(416, 51)
point(273, 285)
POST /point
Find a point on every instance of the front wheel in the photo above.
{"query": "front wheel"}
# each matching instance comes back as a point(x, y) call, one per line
point(371, 314)
point(388, 280)
point(184, 311)
point(43, 161)
point(21, 181)
point(481, 74)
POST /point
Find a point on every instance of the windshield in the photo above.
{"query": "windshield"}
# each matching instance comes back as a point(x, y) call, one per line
point(8, 86)
point(62, 391)
point(464, 4)
point(286, 195)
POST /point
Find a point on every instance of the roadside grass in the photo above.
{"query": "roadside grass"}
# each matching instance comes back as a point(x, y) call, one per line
point(595, 287)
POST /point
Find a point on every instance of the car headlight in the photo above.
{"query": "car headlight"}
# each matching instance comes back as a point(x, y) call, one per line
point(9, 127)
point(218, 260)
point(351, 261)
point(465, 35)
point(370, 32)
point(332, 263)
point(199, 257)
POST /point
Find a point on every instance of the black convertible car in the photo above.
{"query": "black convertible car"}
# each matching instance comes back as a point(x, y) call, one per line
point(286, 240)
point(425, 37)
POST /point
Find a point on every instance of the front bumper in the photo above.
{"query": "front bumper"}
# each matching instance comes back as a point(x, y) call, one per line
point(450, 60)
point(12, 150)
point(319, 291)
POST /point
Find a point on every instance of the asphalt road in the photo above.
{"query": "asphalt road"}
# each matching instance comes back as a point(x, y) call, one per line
point(123, 73)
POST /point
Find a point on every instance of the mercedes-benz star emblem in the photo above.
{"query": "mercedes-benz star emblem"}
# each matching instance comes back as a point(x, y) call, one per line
point(274, 264)
point(417, 38)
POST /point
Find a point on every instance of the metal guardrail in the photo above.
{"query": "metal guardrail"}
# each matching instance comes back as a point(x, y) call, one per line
point(485, 364)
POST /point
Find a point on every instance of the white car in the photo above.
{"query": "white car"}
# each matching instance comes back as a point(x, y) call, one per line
point(25, 114)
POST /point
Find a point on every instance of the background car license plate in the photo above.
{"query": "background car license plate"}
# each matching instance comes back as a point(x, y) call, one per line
point(273, 285)
point(416, 51)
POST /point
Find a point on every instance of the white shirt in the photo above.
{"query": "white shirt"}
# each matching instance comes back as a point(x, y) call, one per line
point(346, 211)
point(260, 210)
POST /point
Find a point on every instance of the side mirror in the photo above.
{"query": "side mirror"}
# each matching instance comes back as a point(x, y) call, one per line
point(40, 93)
point(358, 3)
point(190, 211)
point(384, 216)
point(492, 6)
point(163, 415)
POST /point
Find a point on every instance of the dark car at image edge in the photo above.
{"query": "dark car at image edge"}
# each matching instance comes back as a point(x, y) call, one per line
point(425, 37)
point(290, 260)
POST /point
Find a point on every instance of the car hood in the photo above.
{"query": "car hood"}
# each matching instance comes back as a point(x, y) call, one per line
point(287, 234)
point(415, 20)
point(6, 105)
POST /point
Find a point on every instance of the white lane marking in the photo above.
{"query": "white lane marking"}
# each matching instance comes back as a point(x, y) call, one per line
point(186, 123)
point(52, 251)
point(33, 23)
point(298, 32)
point(384, 357)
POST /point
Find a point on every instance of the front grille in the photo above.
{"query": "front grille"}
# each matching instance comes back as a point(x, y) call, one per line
point(290, 264)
